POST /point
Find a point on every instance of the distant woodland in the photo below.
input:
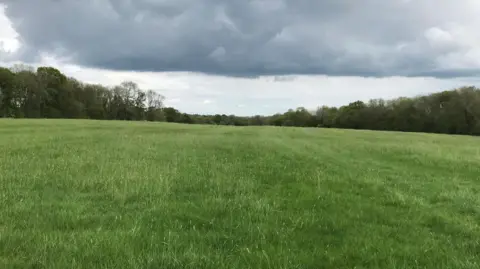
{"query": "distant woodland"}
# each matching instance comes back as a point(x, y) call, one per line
point(45, 92)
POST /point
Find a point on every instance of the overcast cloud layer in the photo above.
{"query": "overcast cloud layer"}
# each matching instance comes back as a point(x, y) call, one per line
point(256, 37)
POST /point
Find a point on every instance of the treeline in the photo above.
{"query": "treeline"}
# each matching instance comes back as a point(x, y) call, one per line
point(449, 112)
point(47, 93)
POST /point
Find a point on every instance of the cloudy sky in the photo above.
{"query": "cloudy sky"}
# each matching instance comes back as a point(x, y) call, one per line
point(251, 56)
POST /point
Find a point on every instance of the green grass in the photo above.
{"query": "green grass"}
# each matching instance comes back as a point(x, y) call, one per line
point(98, 194)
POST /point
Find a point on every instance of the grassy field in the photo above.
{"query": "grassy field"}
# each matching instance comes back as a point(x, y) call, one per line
point(98, 194)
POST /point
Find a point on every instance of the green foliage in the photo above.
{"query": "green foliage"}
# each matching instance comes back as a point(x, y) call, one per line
point(7, 94)
point(47, 93)
point(111, 194)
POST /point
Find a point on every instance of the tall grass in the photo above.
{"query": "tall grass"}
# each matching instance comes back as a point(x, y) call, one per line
point(97, 194)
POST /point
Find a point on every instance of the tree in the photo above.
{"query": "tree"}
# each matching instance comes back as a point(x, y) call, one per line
point(29, 94)
point(351, 116)
point(171, 114)
point(7, 93)
point(52, 83)
point(154, 106)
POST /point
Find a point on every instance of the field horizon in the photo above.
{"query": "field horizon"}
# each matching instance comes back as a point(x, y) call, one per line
point(122, 194)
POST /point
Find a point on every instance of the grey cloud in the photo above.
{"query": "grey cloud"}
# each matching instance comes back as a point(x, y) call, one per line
point(253, 38)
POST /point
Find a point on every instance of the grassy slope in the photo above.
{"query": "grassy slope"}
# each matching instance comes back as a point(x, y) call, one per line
point(90, 194)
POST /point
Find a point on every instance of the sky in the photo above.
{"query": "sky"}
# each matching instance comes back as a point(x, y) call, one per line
point(250, 57)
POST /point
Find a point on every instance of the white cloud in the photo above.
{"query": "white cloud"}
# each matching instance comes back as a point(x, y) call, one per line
point(9, 42)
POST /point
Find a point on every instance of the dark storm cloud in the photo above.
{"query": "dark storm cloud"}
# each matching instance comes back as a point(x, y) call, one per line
point(248, 38)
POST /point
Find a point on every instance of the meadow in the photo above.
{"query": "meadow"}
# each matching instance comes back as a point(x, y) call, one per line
point(112, 194)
